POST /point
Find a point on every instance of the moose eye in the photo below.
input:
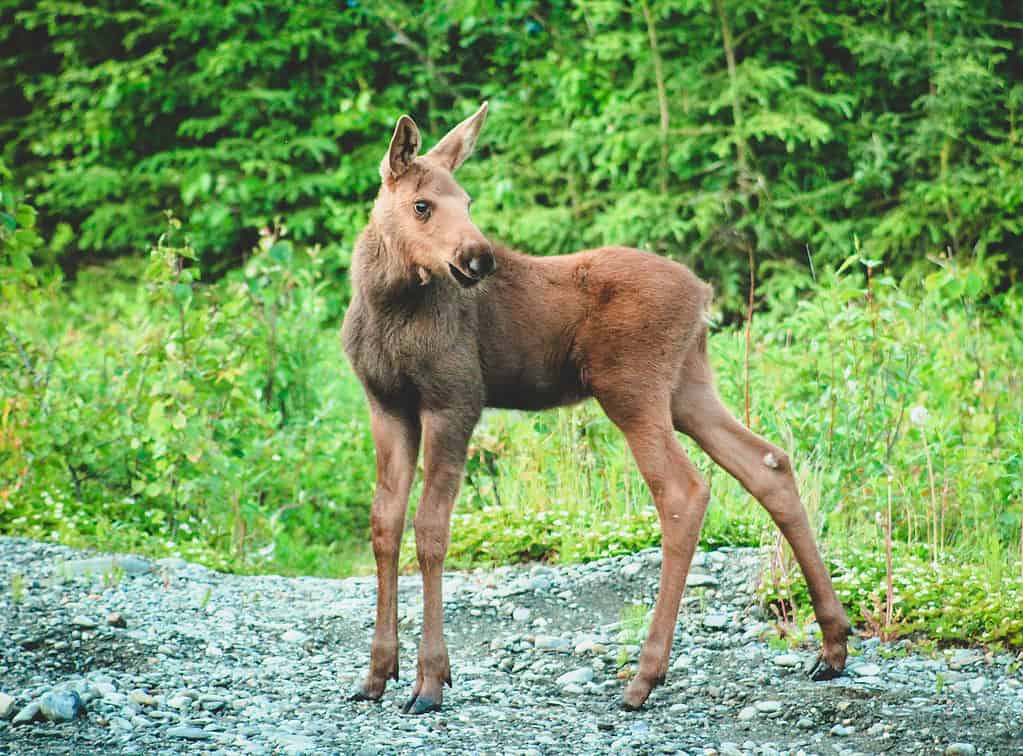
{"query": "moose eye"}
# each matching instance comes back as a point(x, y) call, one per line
point(422, 208)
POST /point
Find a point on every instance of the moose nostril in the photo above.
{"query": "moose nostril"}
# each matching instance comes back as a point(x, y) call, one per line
point(482, 265)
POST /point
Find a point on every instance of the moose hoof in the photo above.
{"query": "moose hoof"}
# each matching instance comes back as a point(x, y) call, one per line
point(362, 694)
point(637, 693)
point(822, 670)
point(420, 705)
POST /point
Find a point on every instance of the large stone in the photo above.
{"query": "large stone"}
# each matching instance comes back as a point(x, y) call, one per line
point(61, 705)
point(960, 749)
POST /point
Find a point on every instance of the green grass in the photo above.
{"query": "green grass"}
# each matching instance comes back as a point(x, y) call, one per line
point(222, 423)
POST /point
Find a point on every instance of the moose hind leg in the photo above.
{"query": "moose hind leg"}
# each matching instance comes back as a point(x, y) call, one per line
point(680, 496)
point(765, 471)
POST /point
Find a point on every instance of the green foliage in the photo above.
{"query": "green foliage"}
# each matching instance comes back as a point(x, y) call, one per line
point(143, 409)
point(782, 127)
point(172, 415)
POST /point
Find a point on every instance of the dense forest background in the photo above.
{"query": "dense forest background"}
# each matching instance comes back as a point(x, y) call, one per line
point(700, 129)
point(181, 185)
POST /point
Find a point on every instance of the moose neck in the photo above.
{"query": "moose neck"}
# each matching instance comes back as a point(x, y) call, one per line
point(380, 273)
point(389, 284)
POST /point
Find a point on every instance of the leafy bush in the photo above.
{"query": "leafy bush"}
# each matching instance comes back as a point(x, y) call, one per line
point(162, 415)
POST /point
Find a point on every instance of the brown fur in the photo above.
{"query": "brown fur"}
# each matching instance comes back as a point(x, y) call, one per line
point(442, 324)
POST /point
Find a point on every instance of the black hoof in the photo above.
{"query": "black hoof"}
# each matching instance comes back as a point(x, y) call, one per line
point(821, 670)
point(360, 694)
point(420, 705)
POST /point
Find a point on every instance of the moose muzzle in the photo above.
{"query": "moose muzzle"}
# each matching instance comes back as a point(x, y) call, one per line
point(474, 261)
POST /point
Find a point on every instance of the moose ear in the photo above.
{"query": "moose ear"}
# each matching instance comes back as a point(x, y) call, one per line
point(453, 149)
point(403, 150)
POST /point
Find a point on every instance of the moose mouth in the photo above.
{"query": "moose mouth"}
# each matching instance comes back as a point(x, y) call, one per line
point(466, 282)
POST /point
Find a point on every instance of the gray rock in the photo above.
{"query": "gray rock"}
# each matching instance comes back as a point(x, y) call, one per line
point(787, 660)
point(841, 731)
point(866, 670)
point(294, 744)
point(120, 723)
point(61, 705)
point(747, 713)
point(700, 580)
point(86, 623)
point(142, 698)
point(977, 684)
point(552, 643)
point(97, 566)
point(6, 706)
point(294, 636)
point(632, 569)
point(187, 732)
point(960, 749)
point(767, 707)
point(716, 621)
point(577, 676)
point(682, 662)
point(520, 614)
point(28, 714)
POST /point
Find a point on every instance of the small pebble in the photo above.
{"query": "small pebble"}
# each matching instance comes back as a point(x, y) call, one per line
point(577, 676)
point(6, 706)
point(716, 621)
point(187, 732)
point(27, 714)
point(786, 660)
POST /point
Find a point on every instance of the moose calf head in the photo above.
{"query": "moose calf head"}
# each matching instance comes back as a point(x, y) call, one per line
point(422, 211)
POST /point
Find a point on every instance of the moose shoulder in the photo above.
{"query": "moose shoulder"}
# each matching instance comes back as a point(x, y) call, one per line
point(442, 324)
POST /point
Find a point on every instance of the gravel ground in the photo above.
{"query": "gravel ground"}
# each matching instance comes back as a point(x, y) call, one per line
point(122, 655)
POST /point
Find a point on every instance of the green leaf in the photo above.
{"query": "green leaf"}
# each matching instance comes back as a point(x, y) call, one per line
point(281, 252)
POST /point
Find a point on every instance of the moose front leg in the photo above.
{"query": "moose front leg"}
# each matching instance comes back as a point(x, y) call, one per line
point(445, 440)
point(396, 438)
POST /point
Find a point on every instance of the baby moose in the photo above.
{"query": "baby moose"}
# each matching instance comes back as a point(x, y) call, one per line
point(443, 323)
